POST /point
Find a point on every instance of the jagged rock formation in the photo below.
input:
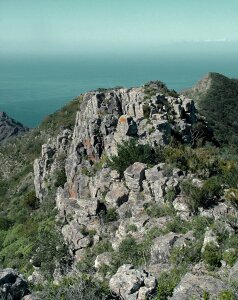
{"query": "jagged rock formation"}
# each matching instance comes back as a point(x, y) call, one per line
point(92, 191)
point(10, 128)
point(130, 284)
point(12, 285)
point(216, 97)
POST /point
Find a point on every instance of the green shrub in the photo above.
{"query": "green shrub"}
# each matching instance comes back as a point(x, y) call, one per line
point(187, 254)
point(130, 152)
point(3, 188)
point(230, 256)
point(203, 196)
point(111, 215)
point(158, 210)
point(212, 256)
point(226, 295)
point(31, 201)
point(131, 252)
point(170, 195)
point(5, 223)
point(83, 287)
point(167, 281)
point(132, 227)
point(60, 178)
point(50, 247)
point(146, 111)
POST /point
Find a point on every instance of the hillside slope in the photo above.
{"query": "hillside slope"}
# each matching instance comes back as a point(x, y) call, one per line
point(10, 128)
point(216, 97)
point(129, 198)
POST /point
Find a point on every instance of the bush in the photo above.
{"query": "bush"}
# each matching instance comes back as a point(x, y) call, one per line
point(31, 201)
point(203, 196)
point(82, 288)
point(157, 210)
point(212, 256)
point(130, 152)
point(167, 282)
point(60, 178)
point(111, 215)
point(226, 295)
point(131, 252)
point(5, 223)
point(230, 256)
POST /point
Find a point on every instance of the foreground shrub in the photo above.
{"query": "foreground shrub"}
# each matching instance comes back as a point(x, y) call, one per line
point(31, 201)
point(203, 196)
point(83, 288)
point(60, 178)
point(130, 152)
point(212, 256)
point(226, 295)
point(167, 282)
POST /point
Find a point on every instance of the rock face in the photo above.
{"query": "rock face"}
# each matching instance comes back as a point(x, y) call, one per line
point(98, 205)
point(10, 128)
point(193, 287)
point(131, 284)
point(12, 285)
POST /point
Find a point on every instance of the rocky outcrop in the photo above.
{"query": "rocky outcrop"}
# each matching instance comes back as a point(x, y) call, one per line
point(97, 204)
point(194, 287)
point(131, 284)
point(10, 128)
point(12, 285)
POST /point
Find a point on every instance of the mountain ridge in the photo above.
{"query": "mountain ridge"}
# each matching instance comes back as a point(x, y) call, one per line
point(129, 198)
point(10, 128)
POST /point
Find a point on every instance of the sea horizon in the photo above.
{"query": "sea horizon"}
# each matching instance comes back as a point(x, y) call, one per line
point(33, 87)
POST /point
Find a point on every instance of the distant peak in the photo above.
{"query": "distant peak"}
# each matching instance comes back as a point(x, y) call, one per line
point(9, 127)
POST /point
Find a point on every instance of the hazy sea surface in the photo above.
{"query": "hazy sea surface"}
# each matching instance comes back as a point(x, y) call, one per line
point(32, 88)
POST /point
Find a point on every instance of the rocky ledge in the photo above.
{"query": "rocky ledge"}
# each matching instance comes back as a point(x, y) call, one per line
point(10, 128)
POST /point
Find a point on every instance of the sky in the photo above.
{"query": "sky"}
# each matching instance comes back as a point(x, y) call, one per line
point(51, 27)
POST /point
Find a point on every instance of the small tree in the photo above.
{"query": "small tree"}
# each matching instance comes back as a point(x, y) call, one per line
point(130, 152)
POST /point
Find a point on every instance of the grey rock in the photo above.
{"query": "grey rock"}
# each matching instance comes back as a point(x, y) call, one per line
point(160, 250)
point(103, 259)
point(181, 207)
point(209, 237)
point(193, 286)
point(13, 286)
point(132, 284)
point(233, 276)
point(10, 128)
point(117, 195)
point(134, 175)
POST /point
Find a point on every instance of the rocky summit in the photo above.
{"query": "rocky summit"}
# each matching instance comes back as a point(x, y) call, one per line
point(10, 128)
point(135, 201)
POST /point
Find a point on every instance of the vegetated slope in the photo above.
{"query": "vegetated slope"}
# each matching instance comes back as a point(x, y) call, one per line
point(21, 216)
point(216, 97)
point(138, 186)
point(10, 128)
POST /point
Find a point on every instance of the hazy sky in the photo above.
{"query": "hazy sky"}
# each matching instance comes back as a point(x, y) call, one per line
point(120, 26)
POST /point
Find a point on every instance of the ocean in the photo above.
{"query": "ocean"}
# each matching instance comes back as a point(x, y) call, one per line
point(32, 88)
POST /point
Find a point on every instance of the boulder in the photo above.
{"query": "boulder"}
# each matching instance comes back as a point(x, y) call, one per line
point(209, 237)
point(160, 250)
point(181, 207)
point(131, 284)
point(134, 175)
point(117, 195)
point(103, 259)
point(193, 287)
point(13, 286)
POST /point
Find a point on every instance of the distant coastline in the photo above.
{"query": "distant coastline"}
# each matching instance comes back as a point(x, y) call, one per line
point(32, 89)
